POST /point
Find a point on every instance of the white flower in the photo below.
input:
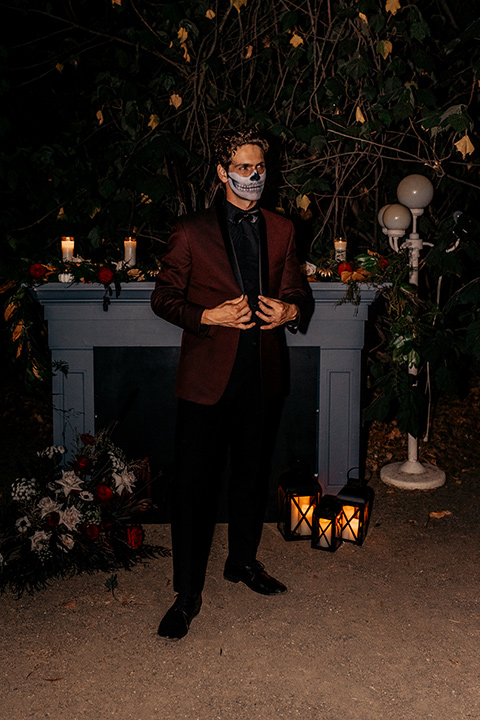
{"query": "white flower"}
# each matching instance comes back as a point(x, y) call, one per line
point(39, 539)
point(124, 481)
point(67, 541)
point(309, 269)
point(70, 518)
point(118, 464)
point(51, 451)
point(23, 524)
point(86, 496)
point(69, 481)
point(47, 506)
point(23, 489)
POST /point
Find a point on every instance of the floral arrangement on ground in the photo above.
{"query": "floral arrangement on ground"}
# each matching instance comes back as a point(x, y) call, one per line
point(74, 518)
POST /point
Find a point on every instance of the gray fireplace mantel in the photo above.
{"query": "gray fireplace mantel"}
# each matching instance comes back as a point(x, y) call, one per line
point(77, 324)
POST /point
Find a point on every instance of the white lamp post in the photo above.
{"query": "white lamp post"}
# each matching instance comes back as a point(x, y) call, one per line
point(414, 193)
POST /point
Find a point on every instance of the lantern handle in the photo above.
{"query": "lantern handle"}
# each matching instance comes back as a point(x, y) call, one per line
point(360, 481)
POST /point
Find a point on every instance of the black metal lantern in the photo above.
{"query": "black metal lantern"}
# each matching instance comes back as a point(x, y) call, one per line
point(298, 497)
point(356, 499)
point(327, 524)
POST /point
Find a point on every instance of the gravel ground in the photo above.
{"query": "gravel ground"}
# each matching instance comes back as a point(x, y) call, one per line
point(389, 630)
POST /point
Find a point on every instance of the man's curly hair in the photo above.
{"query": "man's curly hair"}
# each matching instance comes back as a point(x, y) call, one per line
point(227, 144)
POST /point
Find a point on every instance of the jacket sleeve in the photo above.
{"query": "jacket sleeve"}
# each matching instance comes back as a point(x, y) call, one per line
point(170, 297)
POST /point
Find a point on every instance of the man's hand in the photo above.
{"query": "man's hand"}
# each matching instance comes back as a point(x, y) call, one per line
point(234, 313)
point(275, 312)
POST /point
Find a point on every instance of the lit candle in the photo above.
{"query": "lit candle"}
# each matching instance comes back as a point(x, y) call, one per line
point(305, 514)
point(325, 539)
point(67, 249)
point(351, 523)
point(130, 249)
point(340, 249)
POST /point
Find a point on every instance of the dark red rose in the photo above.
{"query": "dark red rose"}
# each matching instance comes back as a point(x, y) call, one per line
point(345, 267)
point(51, 520)
point(37, 270)
point(87, 439)
point(91, 530)
point(135, 536)
point(103, 493)
point(105, 275)
point(382, 263)
point(83, 465)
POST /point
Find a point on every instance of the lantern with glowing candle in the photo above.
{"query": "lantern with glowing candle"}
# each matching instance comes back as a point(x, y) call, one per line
point(130, 251)
point(356, 499)
point(297, 498)
point(327, 524)
point(68, 246)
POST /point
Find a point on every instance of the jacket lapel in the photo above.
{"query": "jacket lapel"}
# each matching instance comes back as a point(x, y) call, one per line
point(263, 256)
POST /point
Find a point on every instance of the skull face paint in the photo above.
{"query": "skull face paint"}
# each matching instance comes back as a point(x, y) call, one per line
point(247, 188)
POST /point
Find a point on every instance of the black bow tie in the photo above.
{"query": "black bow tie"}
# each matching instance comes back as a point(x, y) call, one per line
point(250, 215)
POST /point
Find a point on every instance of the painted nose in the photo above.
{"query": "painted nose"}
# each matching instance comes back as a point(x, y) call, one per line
point(255, 176)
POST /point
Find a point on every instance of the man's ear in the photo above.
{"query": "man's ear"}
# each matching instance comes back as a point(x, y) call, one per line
point(222, 173)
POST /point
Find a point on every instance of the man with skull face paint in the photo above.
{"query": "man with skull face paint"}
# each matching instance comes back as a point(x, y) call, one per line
point(231, 280)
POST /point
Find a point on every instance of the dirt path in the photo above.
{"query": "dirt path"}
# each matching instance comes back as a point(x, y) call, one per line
point(388, 631)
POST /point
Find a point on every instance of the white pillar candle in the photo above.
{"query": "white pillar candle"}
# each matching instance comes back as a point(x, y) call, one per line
point(326, 526)
point(340, 249)
point(350, 523)
point(68, 245)
point(130, 250)
point(296, 514)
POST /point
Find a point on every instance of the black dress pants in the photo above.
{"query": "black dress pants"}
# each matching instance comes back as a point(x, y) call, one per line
point(205, 435)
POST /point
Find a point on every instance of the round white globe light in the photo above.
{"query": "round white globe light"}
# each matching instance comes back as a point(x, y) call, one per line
point(380, 214)
point(415, 191)
point(397, 217)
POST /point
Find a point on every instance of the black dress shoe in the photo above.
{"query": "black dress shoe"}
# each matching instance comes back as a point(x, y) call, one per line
point(176, 621)
point(255, 577)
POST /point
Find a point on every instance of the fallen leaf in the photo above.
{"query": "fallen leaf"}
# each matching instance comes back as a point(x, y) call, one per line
point(99, 117)
point(182, 34)
point(210, 14)
point(70, 603)
point(392, 6)
point(175, 100)
point(465, 146)
point(440, 514)
point(359, 116)
point(249, 52)
point(296, 40)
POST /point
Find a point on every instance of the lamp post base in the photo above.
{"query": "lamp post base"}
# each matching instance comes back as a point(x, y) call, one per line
point(394, 474)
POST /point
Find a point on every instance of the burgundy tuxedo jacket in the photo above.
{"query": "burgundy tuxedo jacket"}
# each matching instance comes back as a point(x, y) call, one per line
point(199, 271)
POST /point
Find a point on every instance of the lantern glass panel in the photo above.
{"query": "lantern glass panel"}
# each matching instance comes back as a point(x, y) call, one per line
point(356, 503)
point(327, 525)
point(295, 511)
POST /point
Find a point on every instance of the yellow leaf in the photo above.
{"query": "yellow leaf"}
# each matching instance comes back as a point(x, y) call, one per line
point(7, 286)
point(9, 310)
point(266, 41)
point(359, 116)
point(18, 330)
point(36, 371)
point(384, 48)
point(363, 17)
point(153, 122)
point(465, 146)
point(186, 56)
point(210, 14)
point(116, 2)
point(249, 52)
point(61, 213)
point(238, 3)
point(182, 34)
point(95, 210)
point(175, 100)
point(100, 117)
point(19, 350)
point(59, 67)
point(440, 514)
point(302, 202)
point(296, 40)
point(392, 6)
